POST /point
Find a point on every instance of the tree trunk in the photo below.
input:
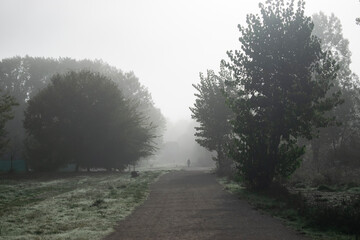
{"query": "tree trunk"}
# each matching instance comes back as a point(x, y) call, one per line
point(11, 163)
point(27, 166)
point(315, 146)
point(224, 163)
point(77, 167)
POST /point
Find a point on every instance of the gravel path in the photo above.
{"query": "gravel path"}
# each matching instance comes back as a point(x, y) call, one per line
point(192, 205)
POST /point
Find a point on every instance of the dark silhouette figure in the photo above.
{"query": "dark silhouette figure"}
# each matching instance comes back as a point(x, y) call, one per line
point(188, 162)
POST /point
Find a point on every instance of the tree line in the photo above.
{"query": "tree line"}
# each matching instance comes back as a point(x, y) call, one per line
point(65, 111)
point(286, 93)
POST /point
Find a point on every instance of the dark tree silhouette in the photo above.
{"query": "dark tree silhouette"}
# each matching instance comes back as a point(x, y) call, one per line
point(7, 102)
point(214, 116)
point(83, 118)
point(23, 77)
point(282, 77)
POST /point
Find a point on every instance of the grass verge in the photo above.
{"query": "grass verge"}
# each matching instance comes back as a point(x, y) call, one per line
point(292, 209)
point(77, 207)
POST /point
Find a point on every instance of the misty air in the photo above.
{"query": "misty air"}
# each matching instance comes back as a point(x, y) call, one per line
point(194, 120)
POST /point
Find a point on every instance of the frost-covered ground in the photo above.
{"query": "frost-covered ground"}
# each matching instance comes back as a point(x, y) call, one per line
point(76, 207)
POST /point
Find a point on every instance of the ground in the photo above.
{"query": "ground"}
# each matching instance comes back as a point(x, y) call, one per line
point(71, 206)
point(193, 205)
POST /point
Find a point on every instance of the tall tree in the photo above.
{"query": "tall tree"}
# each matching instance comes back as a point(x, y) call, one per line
point(282, 77)
point(23, 77)
point(214, 116)
point(329, 30)
point(6, 104)
point(83, 118)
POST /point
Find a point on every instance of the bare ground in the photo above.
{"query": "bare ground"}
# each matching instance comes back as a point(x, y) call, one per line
point(192, 205)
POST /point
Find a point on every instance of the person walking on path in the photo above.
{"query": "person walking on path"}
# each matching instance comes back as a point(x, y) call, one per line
point(188, 162)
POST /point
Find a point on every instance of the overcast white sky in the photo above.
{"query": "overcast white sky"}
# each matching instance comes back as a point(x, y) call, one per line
point(166, 43)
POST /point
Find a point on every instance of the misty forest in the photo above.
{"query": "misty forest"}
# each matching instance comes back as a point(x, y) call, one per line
point(270, 149)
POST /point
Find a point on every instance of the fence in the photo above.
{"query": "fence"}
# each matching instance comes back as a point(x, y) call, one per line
point(17, 165)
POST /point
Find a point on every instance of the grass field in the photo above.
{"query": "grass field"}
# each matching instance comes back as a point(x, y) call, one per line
point(85, 206)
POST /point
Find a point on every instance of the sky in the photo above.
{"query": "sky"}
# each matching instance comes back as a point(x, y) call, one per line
point(166, 43)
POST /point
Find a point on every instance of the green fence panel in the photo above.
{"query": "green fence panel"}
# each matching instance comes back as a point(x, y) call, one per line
point(17, 165)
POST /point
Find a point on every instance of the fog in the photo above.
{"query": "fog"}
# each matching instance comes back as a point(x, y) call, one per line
point(107, 105)
point(179, 146)
point(166, 43)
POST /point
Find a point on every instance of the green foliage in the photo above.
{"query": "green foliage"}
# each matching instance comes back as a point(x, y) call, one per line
point(326, 188)
point(83, 118)
point(6, 114)
point(320, 220)
point(343, 218)
point(333, 147)
point(289, 158)
point(23, 77)
point(213, 115)
point(282, 77)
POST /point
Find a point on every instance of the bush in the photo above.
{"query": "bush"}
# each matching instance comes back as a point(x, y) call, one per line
point(344, 218)
point(325, 188)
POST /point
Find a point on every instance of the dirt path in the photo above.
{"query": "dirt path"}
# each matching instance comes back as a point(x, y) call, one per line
point(192, 205)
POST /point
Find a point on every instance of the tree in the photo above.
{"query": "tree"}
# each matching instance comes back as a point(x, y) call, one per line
point(141, 98)
point(83, 118)
point(214, 116)
point(6, 104)
point(282, 77)
point(329, 30)
point(23, 77)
